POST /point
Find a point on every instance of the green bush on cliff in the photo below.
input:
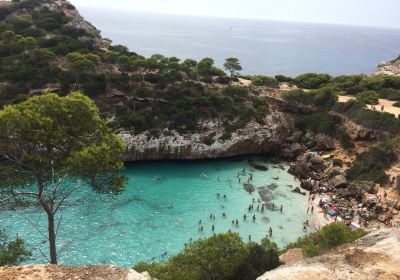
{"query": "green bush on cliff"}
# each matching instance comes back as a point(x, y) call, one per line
point(264, 81)
point(312, 80)
point(368, 97)
point(358, 112)
point(329, 237)
point(371, 164)
point(323, 98)
point(12, 252)
point(223, 257)
point(321, 122)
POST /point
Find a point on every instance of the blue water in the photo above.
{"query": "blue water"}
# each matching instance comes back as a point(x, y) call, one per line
point(263, 47)
point(138, 225)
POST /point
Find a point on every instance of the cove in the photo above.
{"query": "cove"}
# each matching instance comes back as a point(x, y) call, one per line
point(140, 225)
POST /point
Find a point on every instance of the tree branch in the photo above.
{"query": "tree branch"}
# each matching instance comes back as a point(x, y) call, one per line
point(18, 194)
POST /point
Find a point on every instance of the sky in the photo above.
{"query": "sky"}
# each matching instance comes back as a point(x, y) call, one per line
point(380, 13)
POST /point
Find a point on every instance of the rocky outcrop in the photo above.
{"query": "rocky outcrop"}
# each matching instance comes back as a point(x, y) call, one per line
point(254, 138)
point(373, 257)
point(389, 68)
point(56, 272)
point(307, 166)
point(357, 189)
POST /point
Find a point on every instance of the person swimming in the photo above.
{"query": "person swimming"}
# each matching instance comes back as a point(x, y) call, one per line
point(237, 222)
point(281, 208)
point(224, 215)
point(254, 218)
point(270, 231)
point(213, 228)
point(156, 178)
point(244, 217)
point(225, 197)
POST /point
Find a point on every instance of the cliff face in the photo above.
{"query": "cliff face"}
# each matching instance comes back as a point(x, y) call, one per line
point(389, 68)
point(254, 138)
point(375, 256)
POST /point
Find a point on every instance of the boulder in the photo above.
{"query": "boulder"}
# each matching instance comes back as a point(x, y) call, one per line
point(265, 194)
point(297, 190)
point(357, 189)
point(306, 184)
point(334, 172)
point(324, 142)
point(249, 187)
point(338, 182)
point(272, 186)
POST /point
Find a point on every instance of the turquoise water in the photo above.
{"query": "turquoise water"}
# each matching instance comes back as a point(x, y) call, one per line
point(139, 225)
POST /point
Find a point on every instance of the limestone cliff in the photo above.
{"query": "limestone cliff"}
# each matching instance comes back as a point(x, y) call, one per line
point(209, 142)
point(373, 257)
point(389, 68)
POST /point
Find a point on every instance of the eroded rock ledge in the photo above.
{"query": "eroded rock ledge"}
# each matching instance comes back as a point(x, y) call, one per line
point(254, 138)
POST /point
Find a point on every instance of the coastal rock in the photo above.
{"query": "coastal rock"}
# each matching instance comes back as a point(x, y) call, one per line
point(254, 138)
point(249, 188)
point(338, 182)
point(357, 189)
point(307, 165)
point(375, 256)
point(324, 142)
point(307, 185)
point(297, 190)
point(334, 171)
point(272, 186)
point(391, 68)
point(265, 194)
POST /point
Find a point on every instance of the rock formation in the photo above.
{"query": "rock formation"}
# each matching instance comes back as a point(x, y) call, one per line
point(375, 256)
point(254, 138)
point(389, 68)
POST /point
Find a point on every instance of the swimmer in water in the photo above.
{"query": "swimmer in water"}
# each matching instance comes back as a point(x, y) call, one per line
point(254, 218)
point(244, 217)
point(281, 208)
point(270, 231)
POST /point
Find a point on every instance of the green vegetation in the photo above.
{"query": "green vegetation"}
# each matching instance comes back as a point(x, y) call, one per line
point(312, 80)
point(322, 122)
point(47, 139)
point(358, 112)
point(329, 237)
point(371, 164)
point(222, 257)
point(368, 97)
point(323, 98)
point(12, 252)
point(264, 81)
point(397, 104)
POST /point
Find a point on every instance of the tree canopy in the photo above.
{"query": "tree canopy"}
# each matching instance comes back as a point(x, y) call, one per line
point(48, 139)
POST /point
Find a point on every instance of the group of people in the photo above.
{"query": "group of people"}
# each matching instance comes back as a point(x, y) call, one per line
point(373, 107)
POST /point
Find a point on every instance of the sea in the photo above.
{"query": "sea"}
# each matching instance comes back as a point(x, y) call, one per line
point(263, 47)
point(161, 210)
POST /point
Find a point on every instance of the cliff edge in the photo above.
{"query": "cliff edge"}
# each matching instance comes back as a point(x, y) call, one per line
point(391, 68)
point(373, 257)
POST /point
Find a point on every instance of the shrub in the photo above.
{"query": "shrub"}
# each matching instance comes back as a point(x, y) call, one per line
point(337, 162)
point(329, 237)
point(345, 140)
point(222, 257)
point(397, 104)
point(14, 252)
point(390, 94)
point(283, 79)
point(264, 81)
point(371, 164)
point(368, 97)
point(323, 98)
point(320, 122)
point(312, 80)
point(358, 112)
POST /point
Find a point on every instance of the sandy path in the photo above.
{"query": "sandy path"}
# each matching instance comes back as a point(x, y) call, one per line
point(389, 108)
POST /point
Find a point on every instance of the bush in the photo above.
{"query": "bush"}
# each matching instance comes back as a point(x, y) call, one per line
point(264, 81)
point(368, 97)
point(371, 164)
point(312, 80)
point(397, 104)
point(12, 253)
point(358, 112)
point(390, 94)
point(345, 140)
point(329, 237)
point(222, 257)
point(283, 79)
point(323, 98)
point(337, 162)
point(320, 122)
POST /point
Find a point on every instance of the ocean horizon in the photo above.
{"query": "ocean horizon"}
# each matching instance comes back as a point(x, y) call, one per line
point(264, 47)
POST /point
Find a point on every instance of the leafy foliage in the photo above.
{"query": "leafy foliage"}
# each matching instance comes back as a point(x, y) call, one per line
point(312, 80)
point(329, 237)
point(224, 256)
point(371, 164)
point(12, 252)
point(368, 97)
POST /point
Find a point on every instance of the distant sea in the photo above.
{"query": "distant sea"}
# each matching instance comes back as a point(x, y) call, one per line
point(263, 47)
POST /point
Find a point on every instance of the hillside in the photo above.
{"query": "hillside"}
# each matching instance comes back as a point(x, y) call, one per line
point(389, 68)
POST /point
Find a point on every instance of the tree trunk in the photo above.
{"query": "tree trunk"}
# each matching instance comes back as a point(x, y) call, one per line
point(50, 222)
point(52, 238)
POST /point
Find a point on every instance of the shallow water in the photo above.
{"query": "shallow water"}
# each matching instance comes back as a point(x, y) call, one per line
point(138, 225)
